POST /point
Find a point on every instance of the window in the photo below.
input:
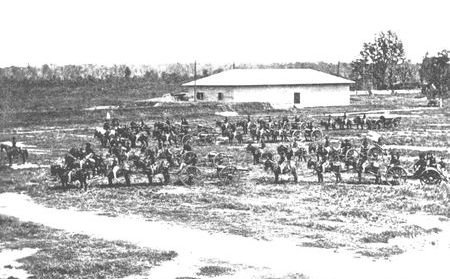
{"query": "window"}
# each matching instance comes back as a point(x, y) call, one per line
point(200, 96)
point(220, 96)
point(296, 98)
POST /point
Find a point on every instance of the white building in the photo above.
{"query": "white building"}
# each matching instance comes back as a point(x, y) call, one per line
point(280, 87)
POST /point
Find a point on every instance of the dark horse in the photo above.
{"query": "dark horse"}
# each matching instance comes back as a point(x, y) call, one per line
point(256, 153)
point(360, 122)
point(151, 169)
point(68, 176)
point(14, 152)
point(116, 171)
point(276, 169)
point(323, 167)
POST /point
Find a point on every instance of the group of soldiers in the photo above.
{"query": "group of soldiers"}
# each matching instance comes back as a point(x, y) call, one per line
point(326, 159)
point(325, 153)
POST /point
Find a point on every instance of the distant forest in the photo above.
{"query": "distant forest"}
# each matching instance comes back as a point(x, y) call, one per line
point(170, 74)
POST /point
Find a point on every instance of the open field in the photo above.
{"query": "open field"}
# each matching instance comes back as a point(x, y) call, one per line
point(50, 253)
point(369, 221)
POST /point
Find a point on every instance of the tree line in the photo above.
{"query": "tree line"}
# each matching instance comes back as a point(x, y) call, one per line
point(382, 64)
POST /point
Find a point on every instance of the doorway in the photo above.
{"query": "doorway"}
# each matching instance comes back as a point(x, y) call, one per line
point(296, 98)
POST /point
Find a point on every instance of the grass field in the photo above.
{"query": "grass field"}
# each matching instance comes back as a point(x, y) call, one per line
point(362, 218)
point(62, 255)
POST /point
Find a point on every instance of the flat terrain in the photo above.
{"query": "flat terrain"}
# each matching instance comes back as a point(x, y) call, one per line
point(368, 221)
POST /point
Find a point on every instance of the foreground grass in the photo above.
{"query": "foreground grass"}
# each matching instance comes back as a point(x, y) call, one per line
point(63, 255)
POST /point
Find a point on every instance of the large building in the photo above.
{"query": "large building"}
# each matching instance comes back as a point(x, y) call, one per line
point(283, 87)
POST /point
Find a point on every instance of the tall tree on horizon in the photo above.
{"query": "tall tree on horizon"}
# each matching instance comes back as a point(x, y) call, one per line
point(435, 75)
point(379, 60)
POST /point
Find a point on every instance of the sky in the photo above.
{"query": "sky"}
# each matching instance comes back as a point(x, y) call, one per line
point(61, 32)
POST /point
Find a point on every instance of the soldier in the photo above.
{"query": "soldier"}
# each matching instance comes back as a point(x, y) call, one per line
point(87, 155)
point(319, 170)
point(322, 153)
point(375, 166)
point(395, 159)
point(431, 160)
point(420, 165)
point(71, 159)
point(13, 142)
point(441, 165)
point(184, 121)
point(327, 144)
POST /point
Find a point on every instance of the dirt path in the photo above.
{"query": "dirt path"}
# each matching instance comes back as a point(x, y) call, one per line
point(248, 258)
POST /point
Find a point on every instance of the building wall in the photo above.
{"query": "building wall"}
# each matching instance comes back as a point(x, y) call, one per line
point(211, 93)
point(283, 96)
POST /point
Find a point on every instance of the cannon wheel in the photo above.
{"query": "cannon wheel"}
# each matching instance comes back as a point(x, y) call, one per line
point(229, 175)
point(351, 155)
point(430, 177)
point(396, 175)
point(221, 159)
point(191, 175)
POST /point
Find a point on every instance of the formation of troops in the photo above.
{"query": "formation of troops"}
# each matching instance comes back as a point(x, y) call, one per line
point(150, 149)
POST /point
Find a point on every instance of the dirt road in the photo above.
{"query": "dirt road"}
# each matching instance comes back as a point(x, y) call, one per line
point(246, 257)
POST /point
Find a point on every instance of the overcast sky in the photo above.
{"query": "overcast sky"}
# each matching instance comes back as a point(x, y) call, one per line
point(165, 31)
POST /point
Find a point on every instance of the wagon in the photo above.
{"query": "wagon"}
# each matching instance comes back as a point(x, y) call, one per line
point(230, 174)
point(396, 175)
point(374, 151)
point(219, 165)
point(313, 135)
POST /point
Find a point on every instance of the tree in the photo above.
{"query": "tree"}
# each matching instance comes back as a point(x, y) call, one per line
point(380, 60)
point(127, 72)
point(362, 74)
point(435, 75)
point(151, 75)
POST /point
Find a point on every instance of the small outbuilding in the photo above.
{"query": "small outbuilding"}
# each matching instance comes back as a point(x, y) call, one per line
point(282, 87)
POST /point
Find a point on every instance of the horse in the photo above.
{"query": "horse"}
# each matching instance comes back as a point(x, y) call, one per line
point(326, 166)
point(142, 138)
point(254, 131)
point(115, 171)
point(373, 124)
point(94, 165)
point(360, 122)
point(151, 168)
point(300, 154)
point(14, 153)
point(126, 133)
point(390, 122)
point(289, 168)
point(256, 153)
point(244, 124)
point(68, 176)
point(327, 125)
point(364, 166)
